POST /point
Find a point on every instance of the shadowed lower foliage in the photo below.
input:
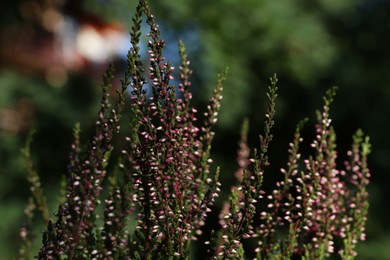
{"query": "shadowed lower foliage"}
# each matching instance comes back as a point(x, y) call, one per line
point(162, 189)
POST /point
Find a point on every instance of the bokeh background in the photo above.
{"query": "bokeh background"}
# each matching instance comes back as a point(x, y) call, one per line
point(53, 54)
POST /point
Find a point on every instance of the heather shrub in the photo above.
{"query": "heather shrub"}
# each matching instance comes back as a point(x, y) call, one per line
point(153, 201)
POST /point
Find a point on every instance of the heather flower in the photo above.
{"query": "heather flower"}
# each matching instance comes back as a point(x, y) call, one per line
point(315, 206)
point(162, 189)
point(167, 183)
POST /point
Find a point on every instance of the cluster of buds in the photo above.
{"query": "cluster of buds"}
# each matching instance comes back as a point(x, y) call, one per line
point(316, 204)
point(168, 184)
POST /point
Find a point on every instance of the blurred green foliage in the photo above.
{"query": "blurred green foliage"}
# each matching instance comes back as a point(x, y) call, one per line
point(55, 112)
point(312, 45)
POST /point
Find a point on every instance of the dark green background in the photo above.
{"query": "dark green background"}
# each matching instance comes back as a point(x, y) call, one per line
point(311, 45)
